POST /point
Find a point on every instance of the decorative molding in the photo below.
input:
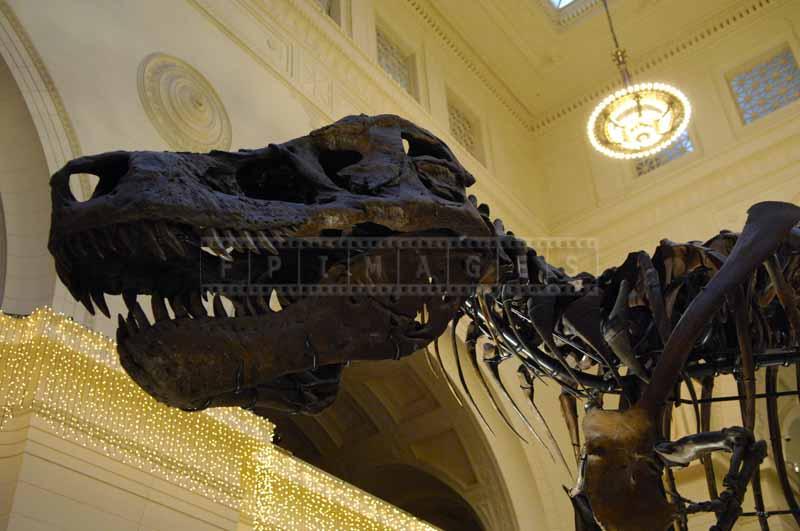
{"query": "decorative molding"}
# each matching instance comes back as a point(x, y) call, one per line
point(452, 41)
point(17, 49)
point(182, 105)
point(720, 25)
point(56, 132)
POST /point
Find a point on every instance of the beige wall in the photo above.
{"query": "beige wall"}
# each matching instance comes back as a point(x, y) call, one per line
point(695, 196)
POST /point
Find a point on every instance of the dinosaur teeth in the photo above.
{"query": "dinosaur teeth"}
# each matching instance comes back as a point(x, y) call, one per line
point(263, 303)
point(125, 238)
point(219, 308)
point(152, 241)
point(159, 308)
point(170, 239)
point(141, 318)
point(100, 301)
point(195, 305)
point(135, 311)
point(91, 237)
point(248, 240)
point(86, 301)
point(263, 241)
point(238, 308)
point(217, 246)
point(77, 246)
point(129, 298)
point(274, 302)
point(178, 307)
point(233, 240)
point(132, 327)
point(107, 238)
point(69, 282)
point(121, 328)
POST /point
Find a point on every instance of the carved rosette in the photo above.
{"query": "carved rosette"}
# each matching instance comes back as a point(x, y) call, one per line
point(183, 106)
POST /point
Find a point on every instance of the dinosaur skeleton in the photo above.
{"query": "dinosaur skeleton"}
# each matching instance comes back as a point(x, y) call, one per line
point(168, 225)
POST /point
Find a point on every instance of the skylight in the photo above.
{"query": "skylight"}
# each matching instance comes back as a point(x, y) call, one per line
point(560, 4)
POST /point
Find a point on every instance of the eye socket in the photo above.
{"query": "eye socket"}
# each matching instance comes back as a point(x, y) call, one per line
point(76, 187)
point(334, 161)
point(103, 177)
point(419, 147)
point(274, 180)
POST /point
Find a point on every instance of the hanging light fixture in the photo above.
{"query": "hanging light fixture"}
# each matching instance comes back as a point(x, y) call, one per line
point(639, 119)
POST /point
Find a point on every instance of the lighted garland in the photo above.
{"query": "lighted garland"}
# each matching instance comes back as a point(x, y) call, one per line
point(70, 377)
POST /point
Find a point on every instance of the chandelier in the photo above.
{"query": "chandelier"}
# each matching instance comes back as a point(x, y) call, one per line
point(640, 119)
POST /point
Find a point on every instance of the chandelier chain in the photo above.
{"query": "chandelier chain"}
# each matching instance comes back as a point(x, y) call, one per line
point(620, 56)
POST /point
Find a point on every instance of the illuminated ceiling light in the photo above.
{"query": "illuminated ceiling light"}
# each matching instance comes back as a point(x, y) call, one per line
point(640, 119)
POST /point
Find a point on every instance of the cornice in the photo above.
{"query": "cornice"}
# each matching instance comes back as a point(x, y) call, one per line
point(535, 123)
point(453, 42)
point(713, 29)
point(42, 76)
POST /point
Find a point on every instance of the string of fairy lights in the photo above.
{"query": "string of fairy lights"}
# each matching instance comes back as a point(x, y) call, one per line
point(70, 377)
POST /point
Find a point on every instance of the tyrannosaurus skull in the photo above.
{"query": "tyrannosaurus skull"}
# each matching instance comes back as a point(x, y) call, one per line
point(170, 225)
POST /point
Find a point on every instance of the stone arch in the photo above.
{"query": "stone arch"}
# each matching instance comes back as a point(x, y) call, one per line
point(37, 139)
point(423, 495)
point(396, 415)
point(2, 250)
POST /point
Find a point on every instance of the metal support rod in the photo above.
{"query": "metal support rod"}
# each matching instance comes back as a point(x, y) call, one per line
point(619, 53)
point(767, 514)
point(736, 398)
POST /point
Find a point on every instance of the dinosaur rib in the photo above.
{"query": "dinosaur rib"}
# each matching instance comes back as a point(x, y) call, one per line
point(470, 342)
point(450, 383)
point(767, 226)
point(457, 356)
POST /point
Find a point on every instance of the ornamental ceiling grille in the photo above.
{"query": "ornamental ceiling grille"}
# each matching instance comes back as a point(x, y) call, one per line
point(463, 129)
point(682, 146)
point(766, 87)
point(395, 62)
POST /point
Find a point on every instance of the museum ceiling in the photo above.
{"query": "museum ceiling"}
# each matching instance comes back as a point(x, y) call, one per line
point(546, 63)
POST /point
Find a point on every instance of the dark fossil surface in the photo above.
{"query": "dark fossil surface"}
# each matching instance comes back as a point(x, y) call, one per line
point(178, 227)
